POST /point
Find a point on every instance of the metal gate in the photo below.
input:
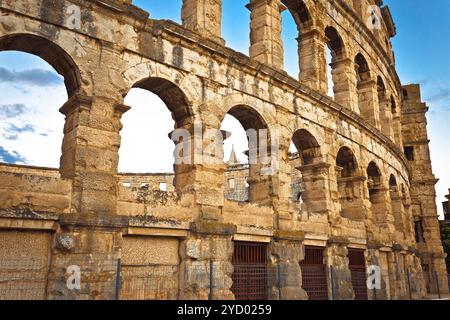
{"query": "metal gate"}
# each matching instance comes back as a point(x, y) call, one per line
point(250, 271)
point(314, 274)
point(357, 265)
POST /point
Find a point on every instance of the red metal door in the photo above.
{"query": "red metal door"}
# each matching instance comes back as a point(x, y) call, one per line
point(314, 274)
point(357, 264)
point(250, 271)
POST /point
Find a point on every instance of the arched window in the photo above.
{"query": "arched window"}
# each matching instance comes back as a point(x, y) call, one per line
point(300, 15)
point(303, 184)
point(158, 106)
point(256, 134)
point(375, 193)
point(350, 189)
point(346, 161)
point(289, 36)
point(38, 77)
point(393, 105)
point(335, 49)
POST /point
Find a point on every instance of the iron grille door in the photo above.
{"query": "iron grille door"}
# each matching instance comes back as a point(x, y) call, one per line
point(357, 266)
point(250, 271)
point(314, 274)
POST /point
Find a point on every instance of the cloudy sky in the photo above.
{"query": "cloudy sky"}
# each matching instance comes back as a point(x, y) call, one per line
point(31, 92)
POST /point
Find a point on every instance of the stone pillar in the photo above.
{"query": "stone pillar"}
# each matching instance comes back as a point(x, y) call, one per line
point(386, 117)
point(351, 197)
point(313, 64)
point(382, 211)
point(266, 45)
point(344, 79)
point(398, 212)
point(317, 192)
point(204, 17)
point(368, 102)
point(208, 243)
point(90, 153)
point(377, 258)
point(337, 261)
point(285, 253)
point(397, 128)
point(199, 168)
point(89, 248)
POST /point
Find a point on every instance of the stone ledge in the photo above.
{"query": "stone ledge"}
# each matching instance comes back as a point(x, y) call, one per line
point(89, 220)
point(213, 228)
point(289, 235)
point(338, 240)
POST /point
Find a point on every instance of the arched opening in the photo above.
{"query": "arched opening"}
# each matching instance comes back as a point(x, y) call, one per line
point(346, 162)
point(375, 192)
point(366, 91)
point(362, 69)
point(305, 152)
point(334, 53)
point(250, 133)
point(235, 21)
point(385, 109)
point(301, 54)
point(381, 89)
point(150, 148)
point(39, 77)
point(349, 185)
point(236, 157)
point(289, 36)
point(393, 105)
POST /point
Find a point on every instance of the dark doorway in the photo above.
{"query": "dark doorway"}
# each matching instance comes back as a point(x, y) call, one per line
point(250, 271)
point(357, 265)
point(314, 274)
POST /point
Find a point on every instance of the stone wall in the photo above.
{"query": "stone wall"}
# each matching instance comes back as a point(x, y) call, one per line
point(357, 183)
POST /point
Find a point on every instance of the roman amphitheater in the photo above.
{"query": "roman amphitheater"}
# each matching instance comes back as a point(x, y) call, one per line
point(355, 200)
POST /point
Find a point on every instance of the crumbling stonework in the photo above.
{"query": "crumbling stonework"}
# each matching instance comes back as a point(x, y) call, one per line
point(362, 178)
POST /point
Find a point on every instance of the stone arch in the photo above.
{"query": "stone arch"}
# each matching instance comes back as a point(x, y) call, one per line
point(49, 51)
point(305, 171)
point(259, 184)
point(381, 89)
point(299, 11)
point(336, 67)
point(172, 95)
point(362, 68)
point(346, 162)
point(393, 105)
point(350, 185)
point(307, 146)
point(374, 176)
point(334, 42)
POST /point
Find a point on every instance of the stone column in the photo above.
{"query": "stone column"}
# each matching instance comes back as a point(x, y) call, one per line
point(285, 253)
point(89, 238)
point(368, 102)
point(386, 117)
point(379, 259)
point(400, 220)
point(208, 244)
point(90, 153)
point(382, 211)
point(397, 128)
point(200, 169)
point(266, 45)
point(204, 17)
point(317, 192)
point(337, 260)
point(313, 65)
point(344, 79)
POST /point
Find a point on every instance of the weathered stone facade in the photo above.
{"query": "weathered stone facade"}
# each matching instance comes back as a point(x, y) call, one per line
point(358, 189)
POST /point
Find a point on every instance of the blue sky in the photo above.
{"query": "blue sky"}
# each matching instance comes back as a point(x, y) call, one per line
point(31, 127)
